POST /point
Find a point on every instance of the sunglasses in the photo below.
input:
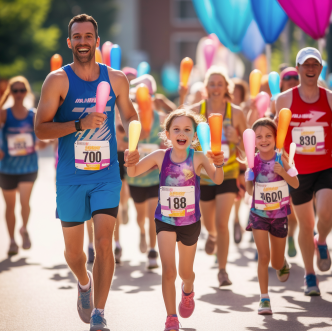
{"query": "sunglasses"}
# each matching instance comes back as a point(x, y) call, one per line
point(23, 90)
point(290, 77)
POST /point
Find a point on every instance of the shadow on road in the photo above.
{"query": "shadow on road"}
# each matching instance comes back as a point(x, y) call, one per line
point(8, 264)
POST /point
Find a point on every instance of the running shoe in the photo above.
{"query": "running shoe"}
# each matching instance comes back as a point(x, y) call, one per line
point(152, 259)
point(223, 278)
point(124, 214)
point(323, 255)
point(283, 273)
point(26, 239)
point(85, 301)
point(187, 304)
point(237, 233)
point(91, 254)
point(118, 254)
point(291, 247)
point(311, 285)
point(98, 322)
point(13, 249)
point(172, 324)
point(210, 245)
point(264, 307)
point(142, 244)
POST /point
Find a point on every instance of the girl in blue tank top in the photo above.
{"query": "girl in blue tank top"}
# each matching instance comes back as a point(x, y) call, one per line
point(177, 215)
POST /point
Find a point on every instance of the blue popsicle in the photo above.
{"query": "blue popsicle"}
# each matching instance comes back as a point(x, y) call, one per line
point(274, 84)
point(204, 137)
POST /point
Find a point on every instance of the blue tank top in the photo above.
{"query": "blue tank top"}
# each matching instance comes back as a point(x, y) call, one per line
point(79, 102)
point(18, 145)
point(179, 192)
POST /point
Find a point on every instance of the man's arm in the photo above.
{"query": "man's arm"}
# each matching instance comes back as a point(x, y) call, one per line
point(54, 90)
point(284, 100)
point(121, 89)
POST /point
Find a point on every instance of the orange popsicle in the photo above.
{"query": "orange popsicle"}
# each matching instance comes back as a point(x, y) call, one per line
point(56, 62)
point(215, 123)
point(255, 82)
point(143, 99)
point(285, 116)
point(185, 70)
point(98, 57)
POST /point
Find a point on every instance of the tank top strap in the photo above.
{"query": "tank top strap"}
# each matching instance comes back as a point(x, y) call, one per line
point(202, 110)
point(104, 72)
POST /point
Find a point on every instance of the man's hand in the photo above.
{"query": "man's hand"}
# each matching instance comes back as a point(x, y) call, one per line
point(216, 159)
point(131, 158)
point(279, 169)
point(231, 135)
point(93, 121)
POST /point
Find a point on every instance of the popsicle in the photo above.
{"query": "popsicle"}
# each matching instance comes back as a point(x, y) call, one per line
point(203, 133)
point(215, 122)
point(185, 70)
point(285, 116)
point(143, 99)
point(274, 84)
point(255, 82)
point(56, 62)
point(292, 171)
point(249, 146)
point(103, 92)
point(134, 134)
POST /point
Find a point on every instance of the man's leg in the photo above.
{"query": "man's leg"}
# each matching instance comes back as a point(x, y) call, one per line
point(324, 212)
point(103, 268)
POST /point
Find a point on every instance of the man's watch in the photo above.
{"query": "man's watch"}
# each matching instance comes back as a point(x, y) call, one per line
point(78, 125)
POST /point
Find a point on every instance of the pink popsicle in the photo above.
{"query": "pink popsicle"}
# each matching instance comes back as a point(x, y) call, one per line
point(249, 146)
point(103, 92)
point(209, 50)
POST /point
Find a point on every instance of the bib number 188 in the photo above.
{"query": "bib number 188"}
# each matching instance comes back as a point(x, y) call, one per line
point(178, 203)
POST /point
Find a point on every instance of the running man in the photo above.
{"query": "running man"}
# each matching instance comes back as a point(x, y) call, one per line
point(310, 129)
point(87, 184)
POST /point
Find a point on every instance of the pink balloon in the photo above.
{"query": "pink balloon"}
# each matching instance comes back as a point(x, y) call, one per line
point(209, 49)
point(103, 92)
point(262, 102)
point(312, 16)
point(249, 146)
point(214, 37)
point(106, 51)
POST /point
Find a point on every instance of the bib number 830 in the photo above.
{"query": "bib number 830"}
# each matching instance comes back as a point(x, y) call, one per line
point(177, 203)
point(307, 140)
point(93, 156)
point(272, 197)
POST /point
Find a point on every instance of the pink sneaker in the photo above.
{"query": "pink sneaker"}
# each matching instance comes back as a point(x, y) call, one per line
point(172, 324)
point(187, 304)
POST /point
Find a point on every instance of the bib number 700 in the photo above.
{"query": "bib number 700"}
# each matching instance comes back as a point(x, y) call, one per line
point(177, 203)
point(272, 196)
point(92, 156)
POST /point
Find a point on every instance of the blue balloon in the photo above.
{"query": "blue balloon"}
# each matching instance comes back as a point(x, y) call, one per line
point(274, 84)
point(270, 17)
point(329, 80)
point(253, 43)
point(116, 57)
point(170, 78)
point(322, 75)
point(143, 68)
point(233, 17)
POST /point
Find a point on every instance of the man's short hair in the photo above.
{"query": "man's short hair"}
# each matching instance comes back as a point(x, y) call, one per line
point(80, 19)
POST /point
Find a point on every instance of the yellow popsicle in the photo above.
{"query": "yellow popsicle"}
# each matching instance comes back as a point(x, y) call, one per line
point(135, 128)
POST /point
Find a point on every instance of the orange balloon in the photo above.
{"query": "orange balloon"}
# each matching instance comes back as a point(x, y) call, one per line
point(260, 63)
point(284, 119)
point(255, 82)
point(185, 70)
point(98, 56)
point(215, 123)
point(56, 62)
point(144, 102)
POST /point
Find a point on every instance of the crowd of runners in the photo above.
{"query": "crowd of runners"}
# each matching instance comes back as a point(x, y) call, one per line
point(169, 159)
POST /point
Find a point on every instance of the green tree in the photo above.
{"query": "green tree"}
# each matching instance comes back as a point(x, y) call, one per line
point(25, 44)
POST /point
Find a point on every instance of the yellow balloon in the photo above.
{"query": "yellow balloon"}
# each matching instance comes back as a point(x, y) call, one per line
point(255, 82)
point(134, 134)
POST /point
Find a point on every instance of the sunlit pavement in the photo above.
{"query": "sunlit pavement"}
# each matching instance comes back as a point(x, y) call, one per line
point(38, 291)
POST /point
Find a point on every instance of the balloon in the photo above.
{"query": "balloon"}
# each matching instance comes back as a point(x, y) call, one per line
point(98, 56)
point(170, 78)
point(253, 43)
point(312, 16)
point(215, 122)
point(106, 51)
point(261, 64)
point(209, 50)
point(285, 116)
point(56, 62)
point(143, 68)
point(103, 92)
point(116, 57)
point(255, 82)
point(185, 70)
point(135, 128)
point(274, 84)
point(203, 134)
point(270, 18)
point(322, 75)
point(262, 101)
point(144, 102)
point(329, 80)
point(292, 171)
point(249, 146)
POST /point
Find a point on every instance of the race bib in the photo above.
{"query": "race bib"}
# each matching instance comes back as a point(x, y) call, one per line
point(309, 140)
point(146, 149)
point(271, 196)
point(92, 155)
point(20, 144)
point(177, 201)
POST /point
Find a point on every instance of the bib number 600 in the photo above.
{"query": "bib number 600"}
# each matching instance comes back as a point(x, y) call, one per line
point(177, 203)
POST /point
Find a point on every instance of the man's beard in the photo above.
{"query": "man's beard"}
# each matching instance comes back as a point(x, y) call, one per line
point(83, 58)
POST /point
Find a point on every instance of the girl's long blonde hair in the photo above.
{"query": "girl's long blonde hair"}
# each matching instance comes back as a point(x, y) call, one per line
point(195, 118)
point(11, 82)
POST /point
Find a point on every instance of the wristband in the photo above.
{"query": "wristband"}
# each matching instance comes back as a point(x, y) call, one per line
point(219, 166)
point(78, 125)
